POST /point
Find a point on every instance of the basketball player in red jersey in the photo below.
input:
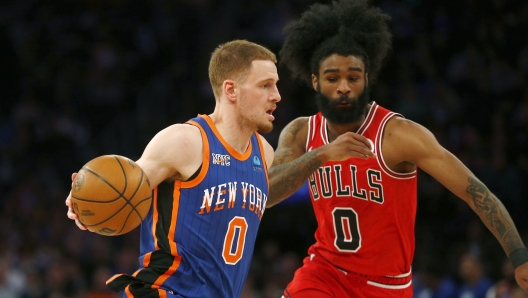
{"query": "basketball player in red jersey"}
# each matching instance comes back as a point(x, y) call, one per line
point(364, 200)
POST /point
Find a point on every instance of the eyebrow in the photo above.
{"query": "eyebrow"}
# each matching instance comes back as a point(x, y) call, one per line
point(337, 70)
point(268, 80)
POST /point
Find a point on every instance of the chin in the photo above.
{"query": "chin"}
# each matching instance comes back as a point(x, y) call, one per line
point(265, 128)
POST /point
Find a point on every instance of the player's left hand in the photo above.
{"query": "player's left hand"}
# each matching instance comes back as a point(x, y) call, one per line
point(521, 276)
point(71, 213)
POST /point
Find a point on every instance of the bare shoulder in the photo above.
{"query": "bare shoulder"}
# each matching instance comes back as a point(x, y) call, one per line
point(407, 140)
point(181, 135)
point(173, 153)
point(296, 130)
point(402, 129)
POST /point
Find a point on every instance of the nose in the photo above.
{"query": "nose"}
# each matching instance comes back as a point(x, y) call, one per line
point(343, 88)
point(275, 96)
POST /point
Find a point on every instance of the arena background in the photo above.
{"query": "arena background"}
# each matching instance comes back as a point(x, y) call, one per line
point(79, 79)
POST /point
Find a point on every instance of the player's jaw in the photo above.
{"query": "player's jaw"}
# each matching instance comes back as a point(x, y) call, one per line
point(266, 124)
point(260, 119)
point(343, 109)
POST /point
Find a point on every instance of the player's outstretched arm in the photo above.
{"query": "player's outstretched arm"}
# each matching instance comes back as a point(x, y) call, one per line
point(417, 145)
point(174, 153)
point(292, 165)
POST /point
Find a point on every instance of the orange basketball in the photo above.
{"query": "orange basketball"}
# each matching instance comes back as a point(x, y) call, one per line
point(111, 195)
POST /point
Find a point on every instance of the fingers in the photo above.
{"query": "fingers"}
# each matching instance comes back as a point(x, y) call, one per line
point(362, 152)
point(68, 200)
point(80, 225)
point(521, 276)
point(362, 139)
point(71, 214)
point(365, 143)
point(361, 146)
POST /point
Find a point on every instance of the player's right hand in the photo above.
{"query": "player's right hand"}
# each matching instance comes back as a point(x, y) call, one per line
point(71, 214)
point(346, 146)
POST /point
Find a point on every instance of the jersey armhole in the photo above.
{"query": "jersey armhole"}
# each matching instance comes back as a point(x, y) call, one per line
point(309, 136)
point(201, 172)
point(263, 157)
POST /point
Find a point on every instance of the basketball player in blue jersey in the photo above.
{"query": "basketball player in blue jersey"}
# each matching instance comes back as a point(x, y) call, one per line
point(210, 185)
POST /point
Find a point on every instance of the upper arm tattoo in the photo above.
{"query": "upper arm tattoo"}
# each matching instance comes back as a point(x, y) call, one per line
point(286, 148)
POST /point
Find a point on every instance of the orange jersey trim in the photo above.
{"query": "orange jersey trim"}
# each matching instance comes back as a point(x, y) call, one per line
point(173, 247)
point(263, 155)
point(162, 293)
point(128, 293)
point(155, 218)
point(146, 260)
point(112, 278)
point(231, 150)
point(205, 161)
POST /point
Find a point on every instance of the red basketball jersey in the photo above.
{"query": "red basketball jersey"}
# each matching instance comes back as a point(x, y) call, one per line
point(365, 211)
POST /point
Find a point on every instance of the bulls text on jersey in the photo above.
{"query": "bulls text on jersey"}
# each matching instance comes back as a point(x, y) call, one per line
point(327, 181)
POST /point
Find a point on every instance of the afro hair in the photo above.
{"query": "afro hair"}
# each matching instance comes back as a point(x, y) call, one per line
point(345, 27)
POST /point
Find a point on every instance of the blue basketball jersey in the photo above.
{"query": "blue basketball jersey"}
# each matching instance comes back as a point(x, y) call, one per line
point(198, 238)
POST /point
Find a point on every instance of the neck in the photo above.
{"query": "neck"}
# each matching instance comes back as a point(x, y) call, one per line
point(231, 130)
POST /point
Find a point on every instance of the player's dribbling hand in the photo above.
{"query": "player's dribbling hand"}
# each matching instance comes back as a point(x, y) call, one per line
point(348, 145)
point(71, 214)
point(521, 276)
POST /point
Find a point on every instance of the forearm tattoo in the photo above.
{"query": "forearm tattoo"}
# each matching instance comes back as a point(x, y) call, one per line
point(287, 177)
point(494, 215)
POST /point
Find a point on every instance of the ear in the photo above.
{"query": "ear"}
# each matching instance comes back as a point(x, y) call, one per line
point(314, 82)
point(366, 79)
point(230, 89)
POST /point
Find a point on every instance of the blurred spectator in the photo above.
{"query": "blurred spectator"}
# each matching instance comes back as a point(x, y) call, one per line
point(434, 282)
point(475, 283)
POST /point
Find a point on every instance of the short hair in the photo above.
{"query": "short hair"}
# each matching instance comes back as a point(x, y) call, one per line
point(345, 27)
point(232, 60)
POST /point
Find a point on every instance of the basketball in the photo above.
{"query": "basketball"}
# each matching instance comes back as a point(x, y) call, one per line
point(111, 195)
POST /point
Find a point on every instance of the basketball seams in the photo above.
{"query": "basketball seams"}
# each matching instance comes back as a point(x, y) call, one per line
point(135, 191)
point(117, 212)
point(134, 194)
point(108, 218)
point(124, 173)
point(105, 181)
point(118, 219)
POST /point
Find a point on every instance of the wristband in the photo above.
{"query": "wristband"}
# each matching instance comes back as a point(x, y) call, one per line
point(519, 257)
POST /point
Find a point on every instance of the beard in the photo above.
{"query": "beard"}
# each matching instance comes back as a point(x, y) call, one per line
point(259, 125)
point(264, 128)
point(331, 110)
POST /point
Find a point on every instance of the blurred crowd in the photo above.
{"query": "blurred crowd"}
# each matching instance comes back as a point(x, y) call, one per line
point(86, 78)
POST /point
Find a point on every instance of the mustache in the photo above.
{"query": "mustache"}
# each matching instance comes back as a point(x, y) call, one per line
point(343, 98)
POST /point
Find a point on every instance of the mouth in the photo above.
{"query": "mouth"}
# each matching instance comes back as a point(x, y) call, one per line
point(344, 102)
point(270, 113)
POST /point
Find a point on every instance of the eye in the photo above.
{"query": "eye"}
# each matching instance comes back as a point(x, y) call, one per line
point(353, 79)
point(332, 80)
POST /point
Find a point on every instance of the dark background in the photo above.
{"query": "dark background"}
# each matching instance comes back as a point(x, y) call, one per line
point(79, 79)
